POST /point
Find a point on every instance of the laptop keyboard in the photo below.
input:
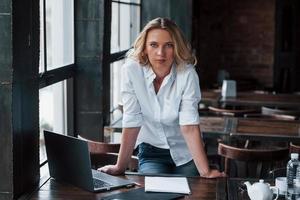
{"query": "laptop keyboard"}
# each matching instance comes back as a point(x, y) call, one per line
point(99, 184)
point(99, 180)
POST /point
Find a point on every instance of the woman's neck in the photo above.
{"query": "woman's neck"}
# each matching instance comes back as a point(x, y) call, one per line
point(161, 73)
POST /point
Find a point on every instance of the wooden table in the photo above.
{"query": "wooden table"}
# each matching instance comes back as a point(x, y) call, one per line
point(252, 99)
point(201, 188)
point(210, 97)
point(250, 127)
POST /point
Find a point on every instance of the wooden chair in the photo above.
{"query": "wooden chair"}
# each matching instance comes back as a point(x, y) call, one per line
point(294, 147)
point(106, 153)
point(231, 111)
point(271, 116)
point(101, 147)
point(287, 114)
point(275, 113)
point(252, 163)
point(211, 143)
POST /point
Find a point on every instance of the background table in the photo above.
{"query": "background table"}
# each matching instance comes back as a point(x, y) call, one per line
point(251, 128)
point(252, 99)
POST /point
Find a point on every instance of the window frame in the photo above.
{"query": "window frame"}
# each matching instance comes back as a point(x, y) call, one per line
point(62, 73)
point(117, 56)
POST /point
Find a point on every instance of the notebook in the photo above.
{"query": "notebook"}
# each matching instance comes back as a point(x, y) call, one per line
point(167, 184)
point(140, 194)
point(69, 161)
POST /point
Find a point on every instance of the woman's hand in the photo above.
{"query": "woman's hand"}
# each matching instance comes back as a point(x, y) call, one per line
point(213, 173)
point(111, 169)
point(128, 140)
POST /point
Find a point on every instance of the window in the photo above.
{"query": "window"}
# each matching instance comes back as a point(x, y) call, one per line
point(58, 47)
point(125, 26)
point(52, 112)
point(55, 66)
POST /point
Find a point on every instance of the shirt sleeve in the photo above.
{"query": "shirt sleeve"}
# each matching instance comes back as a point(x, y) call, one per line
point(132, 115)
point(188, 110)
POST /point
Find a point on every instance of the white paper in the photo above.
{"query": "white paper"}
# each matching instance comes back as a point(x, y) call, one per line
point(167, 184)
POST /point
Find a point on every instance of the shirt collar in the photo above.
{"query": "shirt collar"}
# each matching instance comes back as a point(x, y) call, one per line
point(150, 75)
point(171, 76)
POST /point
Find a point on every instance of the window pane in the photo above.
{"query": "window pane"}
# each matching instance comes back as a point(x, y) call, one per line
point(59, 33)
point(115, 28)
point(116, 115)
point(115, 84)
point(125, 26)
point(52, 112)
point(130, 1)
point(134, 23)
point(42, 57)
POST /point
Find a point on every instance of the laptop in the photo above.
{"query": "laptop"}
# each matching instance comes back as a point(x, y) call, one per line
point(69, 161)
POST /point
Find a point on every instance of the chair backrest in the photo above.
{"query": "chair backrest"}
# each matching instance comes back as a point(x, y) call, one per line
point(96, 147)
point(281, 113)
point(271, 116)
point(107, 153)
point(231, 111)
point(254, 163)
point(294, 147)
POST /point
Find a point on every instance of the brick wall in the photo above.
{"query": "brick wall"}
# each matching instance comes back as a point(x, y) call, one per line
point(237, 36)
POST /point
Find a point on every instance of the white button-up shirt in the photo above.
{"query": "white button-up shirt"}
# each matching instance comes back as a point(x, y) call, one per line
point(160, 115)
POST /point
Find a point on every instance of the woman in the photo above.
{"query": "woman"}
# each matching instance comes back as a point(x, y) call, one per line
point(160, 96)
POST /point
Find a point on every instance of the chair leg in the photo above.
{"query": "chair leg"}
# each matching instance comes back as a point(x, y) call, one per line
point(259, 170)
point(246, 144)
point(227, 166)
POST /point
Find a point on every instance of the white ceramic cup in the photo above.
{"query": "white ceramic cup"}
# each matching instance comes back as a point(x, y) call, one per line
point(280, 183)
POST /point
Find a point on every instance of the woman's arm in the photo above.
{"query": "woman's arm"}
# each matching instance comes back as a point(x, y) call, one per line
point(191, 134)
point(129, 136)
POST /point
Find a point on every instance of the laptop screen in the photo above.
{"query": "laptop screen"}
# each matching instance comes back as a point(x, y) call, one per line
point(68, 159)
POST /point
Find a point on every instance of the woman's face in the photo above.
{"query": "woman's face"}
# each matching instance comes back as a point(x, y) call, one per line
point(159, 48)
